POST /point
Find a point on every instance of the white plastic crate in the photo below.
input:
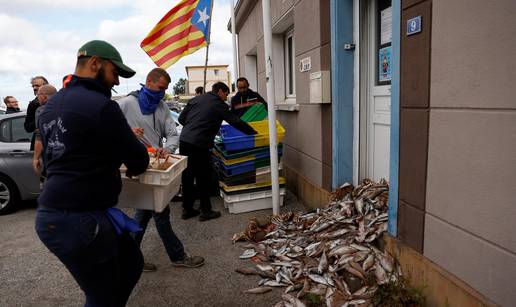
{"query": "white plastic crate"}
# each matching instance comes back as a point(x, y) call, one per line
point(161, 177)
point(153, 189)
point(246, 202)
point(145, 196)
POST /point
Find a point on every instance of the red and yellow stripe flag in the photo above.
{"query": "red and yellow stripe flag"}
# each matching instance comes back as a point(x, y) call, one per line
point(183, 30)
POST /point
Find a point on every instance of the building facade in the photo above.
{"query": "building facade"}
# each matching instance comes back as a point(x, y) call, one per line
point(303, 107)
point(420, 95)
point(214, 74)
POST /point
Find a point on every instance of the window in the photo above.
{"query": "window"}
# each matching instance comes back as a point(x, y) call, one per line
point(12, 130)
point(290, 71)
point(18, 131)
point(216, 72)
point(383, 42)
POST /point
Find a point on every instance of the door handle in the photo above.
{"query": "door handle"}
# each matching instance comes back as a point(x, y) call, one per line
point(18, 153)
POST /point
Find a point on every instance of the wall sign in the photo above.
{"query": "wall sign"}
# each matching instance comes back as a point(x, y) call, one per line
point(305, 64)
point(384, 63)
point(414, 25)
point(386, 26)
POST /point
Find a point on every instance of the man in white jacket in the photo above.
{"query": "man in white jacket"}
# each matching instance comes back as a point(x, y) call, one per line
point(151, 121)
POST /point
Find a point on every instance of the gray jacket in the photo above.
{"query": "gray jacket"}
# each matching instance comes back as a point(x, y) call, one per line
point(155, 126)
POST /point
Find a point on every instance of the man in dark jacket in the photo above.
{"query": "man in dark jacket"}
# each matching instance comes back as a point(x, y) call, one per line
point(201, 120)
point(11, 105)
point(86, 139)
point(245, 98)
point(30, 122)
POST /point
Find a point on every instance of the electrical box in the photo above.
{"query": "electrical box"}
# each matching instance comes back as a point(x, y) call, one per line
point(320, 87)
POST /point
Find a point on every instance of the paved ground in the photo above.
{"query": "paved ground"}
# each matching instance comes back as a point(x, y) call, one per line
point(32, 276)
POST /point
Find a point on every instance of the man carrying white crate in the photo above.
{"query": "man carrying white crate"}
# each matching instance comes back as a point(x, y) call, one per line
point(151, 121)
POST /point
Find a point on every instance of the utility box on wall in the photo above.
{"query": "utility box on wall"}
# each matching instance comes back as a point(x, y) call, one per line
point(320, 87)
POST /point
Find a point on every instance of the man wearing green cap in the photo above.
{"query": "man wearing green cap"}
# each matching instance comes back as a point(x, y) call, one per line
point(85, 140)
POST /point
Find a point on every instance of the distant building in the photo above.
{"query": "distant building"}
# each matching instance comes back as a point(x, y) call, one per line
point(214, 73)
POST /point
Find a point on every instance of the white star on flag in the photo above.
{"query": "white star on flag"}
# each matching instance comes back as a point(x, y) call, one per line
point(203, 17)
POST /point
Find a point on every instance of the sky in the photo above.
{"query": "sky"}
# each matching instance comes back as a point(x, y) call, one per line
point(41, 37)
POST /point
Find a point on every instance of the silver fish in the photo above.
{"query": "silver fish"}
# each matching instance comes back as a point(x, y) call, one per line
point(368, 263)
point(323, 263)
point(248, 253)
point(380, 274)
point(318, 279)
point(258, 290)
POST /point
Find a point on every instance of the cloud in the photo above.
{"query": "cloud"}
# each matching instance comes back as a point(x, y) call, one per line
point(49, 49)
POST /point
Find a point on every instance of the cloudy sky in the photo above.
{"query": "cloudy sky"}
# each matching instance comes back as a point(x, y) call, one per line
point(41, 37)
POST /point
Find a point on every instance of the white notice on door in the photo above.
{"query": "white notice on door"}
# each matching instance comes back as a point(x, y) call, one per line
point(386, 26)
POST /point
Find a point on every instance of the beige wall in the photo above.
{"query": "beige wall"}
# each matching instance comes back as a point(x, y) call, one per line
point(307, 144)
point(471, 208)
point(196, 77)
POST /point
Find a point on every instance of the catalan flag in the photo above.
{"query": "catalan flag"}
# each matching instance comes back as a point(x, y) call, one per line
point(183, 30)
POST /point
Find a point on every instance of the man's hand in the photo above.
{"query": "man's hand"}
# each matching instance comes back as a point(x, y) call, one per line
point(36, 166)
point(138, 132)
point(161, 152)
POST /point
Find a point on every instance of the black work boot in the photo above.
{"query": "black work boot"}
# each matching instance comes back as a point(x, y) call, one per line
point(189, 213)
point(209, 215)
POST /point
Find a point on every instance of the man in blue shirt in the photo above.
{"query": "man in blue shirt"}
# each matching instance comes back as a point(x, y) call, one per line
point(86, 139)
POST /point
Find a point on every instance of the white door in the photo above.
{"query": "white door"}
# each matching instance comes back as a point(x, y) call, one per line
point(378, 92)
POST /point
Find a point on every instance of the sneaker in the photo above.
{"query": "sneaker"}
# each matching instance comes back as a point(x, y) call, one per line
point(189, 214)
point(189, 262)
point(209, 215)
point(149, 267)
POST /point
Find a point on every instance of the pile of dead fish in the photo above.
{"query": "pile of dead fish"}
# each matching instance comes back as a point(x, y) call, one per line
point(330, 253)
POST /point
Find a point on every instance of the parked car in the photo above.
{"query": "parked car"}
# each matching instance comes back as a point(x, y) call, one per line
point(17, 179)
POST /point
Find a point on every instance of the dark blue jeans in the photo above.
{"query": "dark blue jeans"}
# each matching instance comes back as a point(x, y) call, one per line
point(173, 245)
point(106, 266)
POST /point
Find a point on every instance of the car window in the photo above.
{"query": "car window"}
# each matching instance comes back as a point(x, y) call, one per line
point(5, 131)
point(18, 130)
point(13, 131)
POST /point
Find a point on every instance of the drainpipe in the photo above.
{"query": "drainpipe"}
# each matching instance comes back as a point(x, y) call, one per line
point(236, 71)
point(269, 77)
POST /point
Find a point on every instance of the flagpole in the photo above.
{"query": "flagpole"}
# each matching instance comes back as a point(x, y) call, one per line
point(208, 46)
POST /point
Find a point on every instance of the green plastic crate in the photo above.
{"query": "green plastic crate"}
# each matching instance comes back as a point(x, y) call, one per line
point(255, 113)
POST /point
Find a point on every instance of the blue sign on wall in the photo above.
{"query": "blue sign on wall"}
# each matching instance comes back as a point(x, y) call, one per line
point(414, 25)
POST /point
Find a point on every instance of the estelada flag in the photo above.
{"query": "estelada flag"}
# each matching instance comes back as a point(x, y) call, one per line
point(183, 30)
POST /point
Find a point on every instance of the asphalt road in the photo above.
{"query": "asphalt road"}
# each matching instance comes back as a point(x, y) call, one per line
point(31, 276)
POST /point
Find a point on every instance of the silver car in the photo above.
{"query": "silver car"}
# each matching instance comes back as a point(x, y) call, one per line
point(17, 178)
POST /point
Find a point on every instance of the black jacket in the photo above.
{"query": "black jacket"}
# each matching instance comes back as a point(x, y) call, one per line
point(85, 139)
point(202, 117)
point(240, 103)
point(10, 110)
point(30, 119)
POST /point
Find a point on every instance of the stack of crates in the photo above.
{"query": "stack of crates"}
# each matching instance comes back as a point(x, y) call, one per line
point(243, 164)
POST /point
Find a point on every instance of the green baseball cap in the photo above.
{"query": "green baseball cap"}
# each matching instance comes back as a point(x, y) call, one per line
point(106, 51)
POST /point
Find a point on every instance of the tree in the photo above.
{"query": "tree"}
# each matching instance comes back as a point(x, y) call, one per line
point(180, 87)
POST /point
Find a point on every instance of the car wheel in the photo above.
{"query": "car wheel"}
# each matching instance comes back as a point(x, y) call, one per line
point(8, 195)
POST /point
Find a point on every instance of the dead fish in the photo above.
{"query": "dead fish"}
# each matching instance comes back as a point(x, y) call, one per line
point(368, 263)
point(360, 256)
point(380, 274)
point(386, 262)
point(284, 263)
point(353, 271)
point(273, 283)
point(359, 205)
point(264, 267)
point(341, 250)
point(354, 303)
point(293, 300)
point(357, 267)
point(253, 271)
point(258, 290)
point(248, 253)
point(295, 287)
point(318, 279)
point(323, 263)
